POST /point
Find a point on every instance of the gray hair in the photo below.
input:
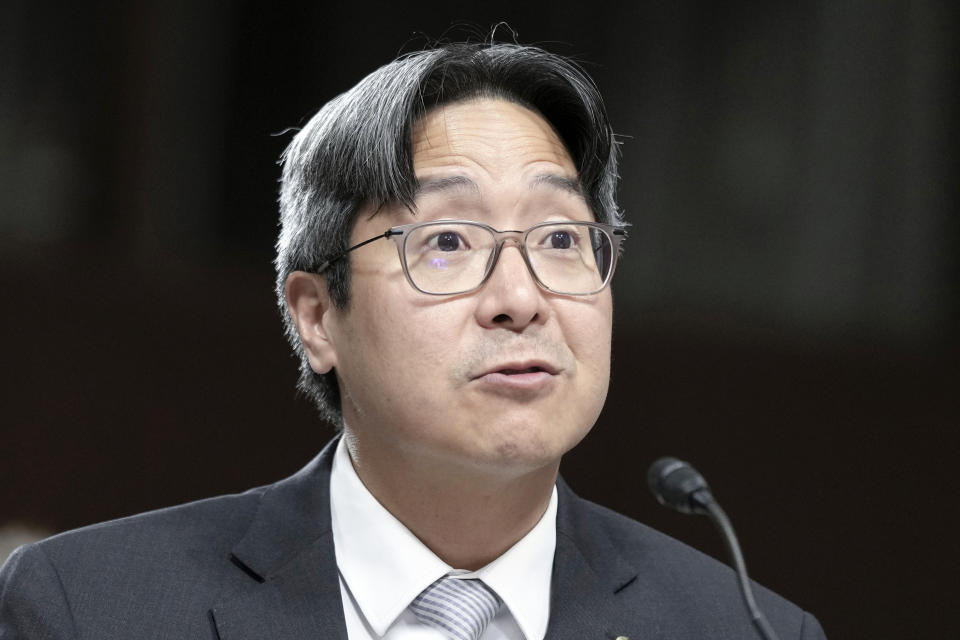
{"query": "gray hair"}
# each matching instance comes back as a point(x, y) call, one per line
point(357, 151)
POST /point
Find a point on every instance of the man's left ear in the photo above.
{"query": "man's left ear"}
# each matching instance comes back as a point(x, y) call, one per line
point(308, 302)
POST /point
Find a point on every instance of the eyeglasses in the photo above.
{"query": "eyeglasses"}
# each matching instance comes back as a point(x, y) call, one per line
point(449, 257)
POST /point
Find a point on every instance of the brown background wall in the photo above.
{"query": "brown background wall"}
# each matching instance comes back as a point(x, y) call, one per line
point(786, 310)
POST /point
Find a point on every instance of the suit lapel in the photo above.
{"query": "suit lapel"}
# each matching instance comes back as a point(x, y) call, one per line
point(589, 573)
point(301, 601)
point(291, 589)
point(581, 602)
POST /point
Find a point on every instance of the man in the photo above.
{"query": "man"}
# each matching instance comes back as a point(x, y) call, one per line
point(448, 236)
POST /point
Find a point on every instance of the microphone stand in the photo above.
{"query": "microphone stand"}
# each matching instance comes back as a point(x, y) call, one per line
point(705, 500)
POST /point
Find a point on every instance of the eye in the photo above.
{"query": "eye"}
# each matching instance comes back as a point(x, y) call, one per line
point(561, 239)
point(446, 241)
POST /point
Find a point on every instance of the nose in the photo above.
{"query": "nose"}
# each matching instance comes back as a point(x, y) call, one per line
point(511, 298)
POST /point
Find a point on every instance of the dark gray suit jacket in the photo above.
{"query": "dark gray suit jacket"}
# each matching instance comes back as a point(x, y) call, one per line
point(261, 565)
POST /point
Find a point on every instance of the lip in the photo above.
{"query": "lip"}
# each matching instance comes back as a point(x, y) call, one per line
point(520, 367)
point(518, 376)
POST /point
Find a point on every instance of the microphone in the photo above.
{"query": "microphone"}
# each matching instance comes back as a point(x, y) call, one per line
point(677, 485)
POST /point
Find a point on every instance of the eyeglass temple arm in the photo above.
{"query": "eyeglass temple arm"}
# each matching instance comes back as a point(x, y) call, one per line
point(620, 231)
point(386, 234)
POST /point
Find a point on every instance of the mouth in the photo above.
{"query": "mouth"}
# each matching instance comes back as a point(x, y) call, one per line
point(515, 372)
point(523, 378)
point(520, 369)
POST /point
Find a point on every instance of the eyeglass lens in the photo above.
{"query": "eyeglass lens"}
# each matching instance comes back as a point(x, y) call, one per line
point(452, 257)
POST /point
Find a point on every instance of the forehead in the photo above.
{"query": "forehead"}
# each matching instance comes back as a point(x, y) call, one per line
point(491, 159)
point(492, 137)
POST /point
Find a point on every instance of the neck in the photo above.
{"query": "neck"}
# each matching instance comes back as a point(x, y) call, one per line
point(467, 515)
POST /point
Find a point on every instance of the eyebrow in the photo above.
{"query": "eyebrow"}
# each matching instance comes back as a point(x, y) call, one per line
point(463, 183)
point(439, 185)
point(564, 183)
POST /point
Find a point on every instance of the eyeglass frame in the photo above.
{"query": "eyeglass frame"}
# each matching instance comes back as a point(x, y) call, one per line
point(615, 233)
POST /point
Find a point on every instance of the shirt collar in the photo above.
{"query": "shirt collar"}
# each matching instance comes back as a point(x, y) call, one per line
point(385, 566)
point(521, 576)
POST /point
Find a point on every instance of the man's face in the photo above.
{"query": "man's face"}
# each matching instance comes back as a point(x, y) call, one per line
point(508, 377)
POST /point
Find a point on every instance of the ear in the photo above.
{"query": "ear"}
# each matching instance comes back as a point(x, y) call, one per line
point(312, 311)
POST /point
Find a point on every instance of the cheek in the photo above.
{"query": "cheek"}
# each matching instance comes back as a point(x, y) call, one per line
point(590, 340)
point(400, 354)
point(588, 331)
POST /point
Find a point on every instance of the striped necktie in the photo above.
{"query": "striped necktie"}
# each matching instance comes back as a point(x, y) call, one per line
point(459, 608)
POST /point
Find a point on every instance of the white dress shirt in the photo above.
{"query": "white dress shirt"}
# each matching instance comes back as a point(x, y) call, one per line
point(383, 567)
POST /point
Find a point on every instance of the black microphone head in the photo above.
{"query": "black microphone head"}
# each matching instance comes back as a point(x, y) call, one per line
point(677, 485)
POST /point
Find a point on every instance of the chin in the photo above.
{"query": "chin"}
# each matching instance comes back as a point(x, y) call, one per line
point(522, 449)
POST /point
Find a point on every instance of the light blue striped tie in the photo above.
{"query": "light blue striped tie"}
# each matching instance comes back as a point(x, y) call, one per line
point(461, 609)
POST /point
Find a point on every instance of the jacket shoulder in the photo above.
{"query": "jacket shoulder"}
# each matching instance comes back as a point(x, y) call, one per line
point(205, 524)
point(175, 559)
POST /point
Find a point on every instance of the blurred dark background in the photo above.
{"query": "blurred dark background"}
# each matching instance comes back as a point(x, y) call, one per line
point(786, 312)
